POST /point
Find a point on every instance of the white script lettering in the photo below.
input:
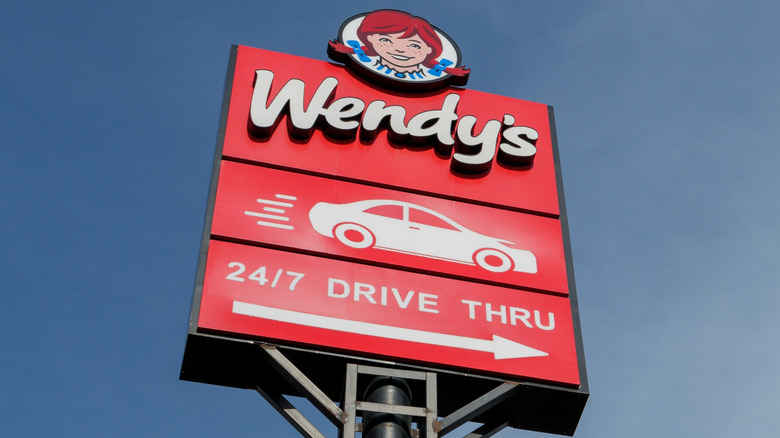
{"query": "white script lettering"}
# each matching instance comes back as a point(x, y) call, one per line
point(343, 117)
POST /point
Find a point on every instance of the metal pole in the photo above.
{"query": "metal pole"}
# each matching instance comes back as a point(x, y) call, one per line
point(389, 391)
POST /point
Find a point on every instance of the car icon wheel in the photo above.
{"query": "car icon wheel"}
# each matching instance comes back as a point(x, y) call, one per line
point(492, 260)
point(353, 235)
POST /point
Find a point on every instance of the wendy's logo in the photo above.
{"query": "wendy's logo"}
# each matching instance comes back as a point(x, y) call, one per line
point(398, 50)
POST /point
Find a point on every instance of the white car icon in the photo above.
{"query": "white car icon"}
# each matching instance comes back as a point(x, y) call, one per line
point(412, 229)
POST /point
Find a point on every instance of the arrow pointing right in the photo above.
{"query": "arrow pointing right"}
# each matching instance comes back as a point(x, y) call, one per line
point(501, 348)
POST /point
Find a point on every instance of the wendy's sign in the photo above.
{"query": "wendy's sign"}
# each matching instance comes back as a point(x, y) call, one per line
point(353, 216)
point(458, 143)
point(398, 50)
point(512, 144)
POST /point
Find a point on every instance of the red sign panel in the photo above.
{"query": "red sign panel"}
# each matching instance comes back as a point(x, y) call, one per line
point(421, 228)
point(393, 158)
point(327, 216)
point(386, 312)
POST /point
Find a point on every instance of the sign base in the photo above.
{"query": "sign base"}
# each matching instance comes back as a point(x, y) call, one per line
point(210, 358)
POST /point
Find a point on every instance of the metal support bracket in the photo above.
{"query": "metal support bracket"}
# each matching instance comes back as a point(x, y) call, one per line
point(345, 417)
point(477, 407)
point(305, 388)
point(291, 414)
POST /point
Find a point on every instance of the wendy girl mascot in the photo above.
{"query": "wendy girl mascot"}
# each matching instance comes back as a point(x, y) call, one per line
point(398, 50)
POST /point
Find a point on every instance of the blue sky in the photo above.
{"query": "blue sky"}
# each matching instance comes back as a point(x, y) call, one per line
point(667, 117)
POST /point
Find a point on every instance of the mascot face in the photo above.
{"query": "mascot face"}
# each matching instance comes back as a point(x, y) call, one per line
point(399, 51)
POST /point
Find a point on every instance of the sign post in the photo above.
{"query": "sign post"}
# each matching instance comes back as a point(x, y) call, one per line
point(372, 213)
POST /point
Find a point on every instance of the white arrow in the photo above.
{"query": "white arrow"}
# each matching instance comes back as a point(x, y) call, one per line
point(500, 347)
